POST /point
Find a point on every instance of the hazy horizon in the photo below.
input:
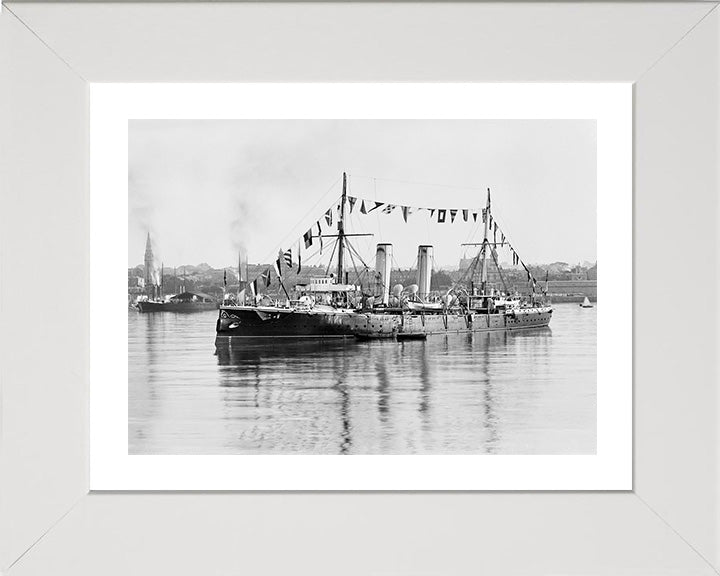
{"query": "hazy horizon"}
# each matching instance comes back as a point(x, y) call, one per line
point(205, 189)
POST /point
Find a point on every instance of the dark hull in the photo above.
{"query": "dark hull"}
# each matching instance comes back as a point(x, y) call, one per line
point(176, 306)
point(247, 322)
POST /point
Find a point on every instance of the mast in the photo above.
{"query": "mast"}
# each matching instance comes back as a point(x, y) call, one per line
point(483, 263)
point(341, 231)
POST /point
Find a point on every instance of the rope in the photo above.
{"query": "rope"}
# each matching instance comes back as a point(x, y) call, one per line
point(428, 184)
point(335, 243)
point(292, 231)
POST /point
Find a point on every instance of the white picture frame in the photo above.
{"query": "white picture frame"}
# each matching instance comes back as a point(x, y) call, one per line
point(49, 522)
point(114, 105)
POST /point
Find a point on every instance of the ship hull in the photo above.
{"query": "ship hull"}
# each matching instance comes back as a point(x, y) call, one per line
point(176, 306)
point(258, 322)
point(406, 326)
point(270, 322)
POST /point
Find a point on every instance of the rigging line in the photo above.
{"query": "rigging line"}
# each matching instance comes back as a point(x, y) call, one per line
point(332, 254)
point(473, 231)
point(520, 260)
point(377, 213)
point(493, 253)
point(309, 257)
point(357, 274)
point(365, 239)
point(469, 271)
point(357, 253)
point(429, 184)
point(308, 213)
point(353, 250)
point(294, 230)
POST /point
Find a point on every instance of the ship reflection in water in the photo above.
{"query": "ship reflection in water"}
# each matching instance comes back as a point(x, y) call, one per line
point(525, 392)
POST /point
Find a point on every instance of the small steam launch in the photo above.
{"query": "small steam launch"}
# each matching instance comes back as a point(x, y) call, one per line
point(368, 307)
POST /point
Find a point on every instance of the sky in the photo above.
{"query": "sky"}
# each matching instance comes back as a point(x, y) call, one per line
point(206, 189)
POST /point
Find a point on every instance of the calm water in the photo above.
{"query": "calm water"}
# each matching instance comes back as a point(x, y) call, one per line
point(529, 392)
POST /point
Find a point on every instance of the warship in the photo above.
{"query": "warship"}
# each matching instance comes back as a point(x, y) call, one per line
point(369, 308)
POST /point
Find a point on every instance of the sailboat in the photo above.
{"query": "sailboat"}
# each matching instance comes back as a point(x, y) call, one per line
point(585, 303)
point(333, 307)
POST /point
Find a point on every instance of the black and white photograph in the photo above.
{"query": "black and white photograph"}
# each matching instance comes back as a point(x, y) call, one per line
point(362, 287)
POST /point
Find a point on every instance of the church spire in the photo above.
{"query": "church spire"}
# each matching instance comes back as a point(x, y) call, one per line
point(149, 264)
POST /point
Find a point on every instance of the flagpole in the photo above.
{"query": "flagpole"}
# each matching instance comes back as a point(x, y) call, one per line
point(483, 266)
point(282, 285)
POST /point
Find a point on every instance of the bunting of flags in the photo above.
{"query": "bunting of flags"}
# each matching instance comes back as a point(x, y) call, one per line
point(443, 214)
point(285, 258)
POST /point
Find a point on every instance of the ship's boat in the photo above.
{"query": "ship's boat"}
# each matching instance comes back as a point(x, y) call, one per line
point(586, 303)
point(427, 307)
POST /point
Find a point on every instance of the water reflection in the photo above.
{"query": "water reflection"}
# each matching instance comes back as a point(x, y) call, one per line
point(530, 392)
